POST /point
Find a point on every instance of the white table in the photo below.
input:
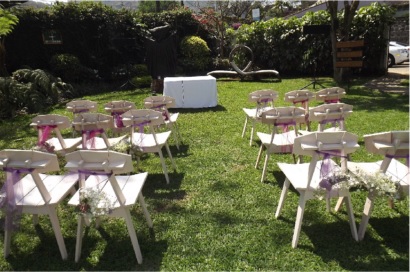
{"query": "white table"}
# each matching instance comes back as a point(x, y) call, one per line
point(192, 92)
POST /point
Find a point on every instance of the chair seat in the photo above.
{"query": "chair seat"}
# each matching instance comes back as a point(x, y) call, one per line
point(99, 143)
point(58, 187)
point(252, 112)
point(172, 118)
point(282, 143)
point(130, 186)
point(71, 144)
point(298, 175)
point(397, 171)
point(147, 141)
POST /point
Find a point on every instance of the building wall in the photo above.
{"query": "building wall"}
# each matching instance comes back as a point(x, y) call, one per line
point(399, 32)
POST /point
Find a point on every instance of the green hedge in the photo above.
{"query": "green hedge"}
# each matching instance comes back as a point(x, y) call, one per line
point(104, 39)
point(280, 44)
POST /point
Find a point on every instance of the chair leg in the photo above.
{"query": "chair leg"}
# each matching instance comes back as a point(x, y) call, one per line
point(144, 209)
point(79, 242)
point(57, 231)
point(339, 203)
point(258, 159)
point(133, 236)
point(252, 132)
point(299, 219)
point(164, 167)
point(170, 156)
point(265, 165)
point(7, 237)
point(244, 126)
point(350, 213)
point(282, 197)
point(367, 211)
point(174, 132)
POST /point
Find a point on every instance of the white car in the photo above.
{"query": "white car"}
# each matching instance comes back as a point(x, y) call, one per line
point(398, 53)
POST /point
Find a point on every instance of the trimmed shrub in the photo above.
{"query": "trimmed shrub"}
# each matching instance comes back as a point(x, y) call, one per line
point(195, 54)
point(69, 68)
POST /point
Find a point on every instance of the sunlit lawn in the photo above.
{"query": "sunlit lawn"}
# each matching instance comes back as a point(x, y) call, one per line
point(216, 214)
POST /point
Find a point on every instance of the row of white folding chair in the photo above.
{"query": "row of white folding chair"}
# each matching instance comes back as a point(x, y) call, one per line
point(118, 107)
point(281, 140)
point(307, 178)
point(265, 99)
point(37, 192)
point(93, 124)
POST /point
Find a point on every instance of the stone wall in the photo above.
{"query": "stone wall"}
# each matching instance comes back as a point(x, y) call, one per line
point(399, 32)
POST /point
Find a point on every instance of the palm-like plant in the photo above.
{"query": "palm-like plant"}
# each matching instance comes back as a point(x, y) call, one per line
point(7, 23)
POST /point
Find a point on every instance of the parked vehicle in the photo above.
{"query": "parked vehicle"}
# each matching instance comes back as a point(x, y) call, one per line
point(398, 53)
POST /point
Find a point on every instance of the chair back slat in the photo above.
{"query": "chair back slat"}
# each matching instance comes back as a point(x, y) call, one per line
point(330, 95)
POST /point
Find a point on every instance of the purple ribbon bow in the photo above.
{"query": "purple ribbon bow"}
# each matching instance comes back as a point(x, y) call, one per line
point(117, 119)
point(327, 168)
point(89, 137)
point(11, 193)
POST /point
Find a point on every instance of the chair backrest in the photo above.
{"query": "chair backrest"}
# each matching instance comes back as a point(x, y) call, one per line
point(101, 162)
point(334, 114)
point(317, 144)
point(119, 106)
point(300, 96)
point(281, 116)
point(159, 102)
point(81, 106)
point(27, 161)
point(284, 118)
point(45, 124)
point(52, 120)
point(91, 121)
point(142, 118)
point(391, 144)
point(263, 96)
point(41, 161)
point(330, 95)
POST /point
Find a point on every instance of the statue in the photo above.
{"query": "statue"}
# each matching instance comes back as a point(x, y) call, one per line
point(161, 57)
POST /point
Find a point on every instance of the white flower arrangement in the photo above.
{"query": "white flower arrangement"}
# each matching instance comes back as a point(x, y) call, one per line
point(378, 183)
point(335, 181)
point(125, 146)
point(94, 203)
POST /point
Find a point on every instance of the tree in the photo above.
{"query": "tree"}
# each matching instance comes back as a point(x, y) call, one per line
point(147, 6)
point(340, 31)
point(7, 23)
point(216, 17)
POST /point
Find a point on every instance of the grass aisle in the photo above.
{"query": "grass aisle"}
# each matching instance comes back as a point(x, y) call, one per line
point(216, 214)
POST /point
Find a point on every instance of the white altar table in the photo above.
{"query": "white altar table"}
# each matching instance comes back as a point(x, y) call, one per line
point(192, 92)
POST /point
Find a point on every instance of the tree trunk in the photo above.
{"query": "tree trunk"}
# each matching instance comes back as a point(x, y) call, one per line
point(349, 13)
point(3, 70)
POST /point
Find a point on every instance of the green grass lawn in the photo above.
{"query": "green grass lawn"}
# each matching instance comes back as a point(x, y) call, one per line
point(216, 214)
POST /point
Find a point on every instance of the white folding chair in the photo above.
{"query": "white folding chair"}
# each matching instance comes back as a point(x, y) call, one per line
point(308, 178)
point(49, 123)
point(29, 190)
point(162, 104)
point(280, 140)
point(151, 141)
point(302, 97)
point(330, 95)
point(81, 106)
point(93, 124)
point(392, 145)
point(264, 101)
point(330, 114)
point(116, 108)
point(103, 168)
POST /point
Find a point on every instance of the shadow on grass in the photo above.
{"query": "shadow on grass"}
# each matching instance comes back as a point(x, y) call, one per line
point(217, 108)
point(333, 242)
